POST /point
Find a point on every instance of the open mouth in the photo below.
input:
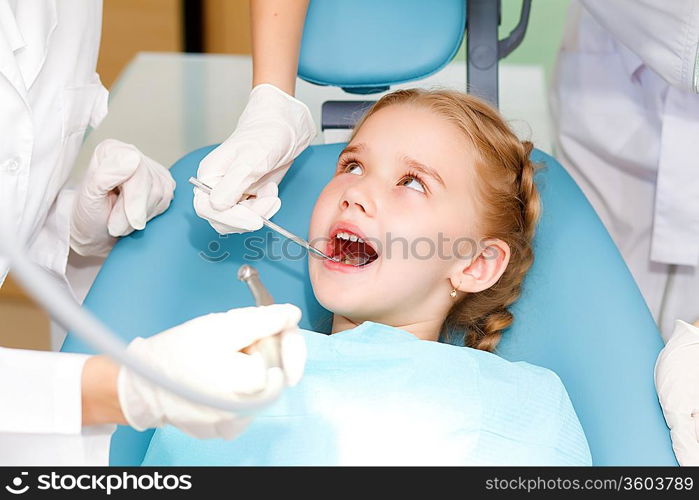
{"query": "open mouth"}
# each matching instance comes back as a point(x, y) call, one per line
point(350, 248)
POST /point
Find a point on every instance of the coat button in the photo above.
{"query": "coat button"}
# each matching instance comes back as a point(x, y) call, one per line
point(11, 165)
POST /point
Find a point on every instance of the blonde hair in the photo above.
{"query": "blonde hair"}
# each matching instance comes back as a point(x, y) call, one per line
point(510, 206)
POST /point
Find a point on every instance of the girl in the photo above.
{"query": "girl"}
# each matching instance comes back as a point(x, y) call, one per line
point(435, 197)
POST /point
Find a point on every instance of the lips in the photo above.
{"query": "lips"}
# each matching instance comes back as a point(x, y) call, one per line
point(351, 246)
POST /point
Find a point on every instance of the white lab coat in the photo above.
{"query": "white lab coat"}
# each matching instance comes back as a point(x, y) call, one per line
point(627, 129)
point(49, 95)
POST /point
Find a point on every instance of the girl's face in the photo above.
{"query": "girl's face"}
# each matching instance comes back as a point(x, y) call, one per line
point(405, 185)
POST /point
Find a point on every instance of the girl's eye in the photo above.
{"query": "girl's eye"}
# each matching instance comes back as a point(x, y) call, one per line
point(353, 168)
point(413, 182)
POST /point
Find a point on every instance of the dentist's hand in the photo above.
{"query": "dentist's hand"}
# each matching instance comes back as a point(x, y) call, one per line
point(273, 130)
point(205, 353)
point(677, 383)
point(122, 190)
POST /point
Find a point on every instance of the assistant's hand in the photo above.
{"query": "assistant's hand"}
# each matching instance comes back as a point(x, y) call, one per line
point(205, 354)
point(677, 383)
point(122, 190)
point(273, 130)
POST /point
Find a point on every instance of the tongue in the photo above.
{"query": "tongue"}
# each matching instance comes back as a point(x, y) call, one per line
point(353, 253)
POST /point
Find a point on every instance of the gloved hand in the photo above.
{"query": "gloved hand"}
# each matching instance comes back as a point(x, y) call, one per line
point(205, 354)
point(677, 383)
point(273, 130)
point(122, 190)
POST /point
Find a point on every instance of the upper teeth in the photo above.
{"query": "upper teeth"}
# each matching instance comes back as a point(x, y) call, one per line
point(348, 236)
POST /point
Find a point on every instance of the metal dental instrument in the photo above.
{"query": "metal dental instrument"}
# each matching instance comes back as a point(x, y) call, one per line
point(287, 234)
point(268, 347)
point(300, 241)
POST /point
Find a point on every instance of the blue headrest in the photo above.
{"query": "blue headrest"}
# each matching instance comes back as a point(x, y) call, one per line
point(580, 314)
point(340, 40)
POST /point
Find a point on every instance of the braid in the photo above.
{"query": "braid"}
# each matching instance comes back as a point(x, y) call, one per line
point(491, 307)
point(529, 194)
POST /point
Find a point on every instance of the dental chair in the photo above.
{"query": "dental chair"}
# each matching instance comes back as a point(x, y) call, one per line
point(580, 314)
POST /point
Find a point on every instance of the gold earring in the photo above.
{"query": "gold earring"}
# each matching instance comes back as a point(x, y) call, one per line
point(453, 291)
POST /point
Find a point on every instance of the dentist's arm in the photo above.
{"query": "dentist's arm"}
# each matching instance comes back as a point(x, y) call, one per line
point(277, 26)
point(204, 353)
point(272, 131)
point(99, 395)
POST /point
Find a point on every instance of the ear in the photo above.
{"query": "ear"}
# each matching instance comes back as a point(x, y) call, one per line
point(484, 270)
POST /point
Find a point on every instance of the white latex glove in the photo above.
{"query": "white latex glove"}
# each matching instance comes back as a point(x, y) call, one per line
point(273, 130)
point(205, 353)
point(677, 383)
point(122, 190)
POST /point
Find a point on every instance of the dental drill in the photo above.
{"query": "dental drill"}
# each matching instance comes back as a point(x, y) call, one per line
point(269, 347)
point(64, 309)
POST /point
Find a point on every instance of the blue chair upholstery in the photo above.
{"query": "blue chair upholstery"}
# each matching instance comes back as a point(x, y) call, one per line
point(580, 315)
point(340, 40)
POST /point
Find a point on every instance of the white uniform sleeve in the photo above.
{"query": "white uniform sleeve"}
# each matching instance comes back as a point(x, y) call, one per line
point(40, 391)
point(41, 414)
point(665, 35)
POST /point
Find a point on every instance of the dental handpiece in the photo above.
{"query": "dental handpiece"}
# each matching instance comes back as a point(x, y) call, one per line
point(269, 347)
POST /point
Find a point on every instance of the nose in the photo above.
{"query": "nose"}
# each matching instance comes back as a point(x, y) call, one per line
point(358, 197)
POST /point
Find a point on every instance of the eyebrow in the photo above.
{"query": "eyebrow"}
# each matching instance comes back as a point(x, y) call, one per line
point(412, 162)
point(354, 148)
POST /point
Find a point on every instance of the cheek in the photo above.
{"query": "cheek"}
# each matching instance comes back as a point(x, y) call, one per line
point(411, 218)
point(429, 233)
point(406, 283)
point(321, 215)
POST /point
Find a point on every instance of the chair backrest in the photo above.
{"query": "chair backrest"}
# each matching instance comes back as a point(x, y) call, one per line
point(365, 46)
point(416, 38)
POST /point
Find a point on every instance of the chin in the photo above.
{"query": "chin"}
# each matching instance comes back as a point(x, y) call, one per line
point(340, 303)
point(332, 301)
